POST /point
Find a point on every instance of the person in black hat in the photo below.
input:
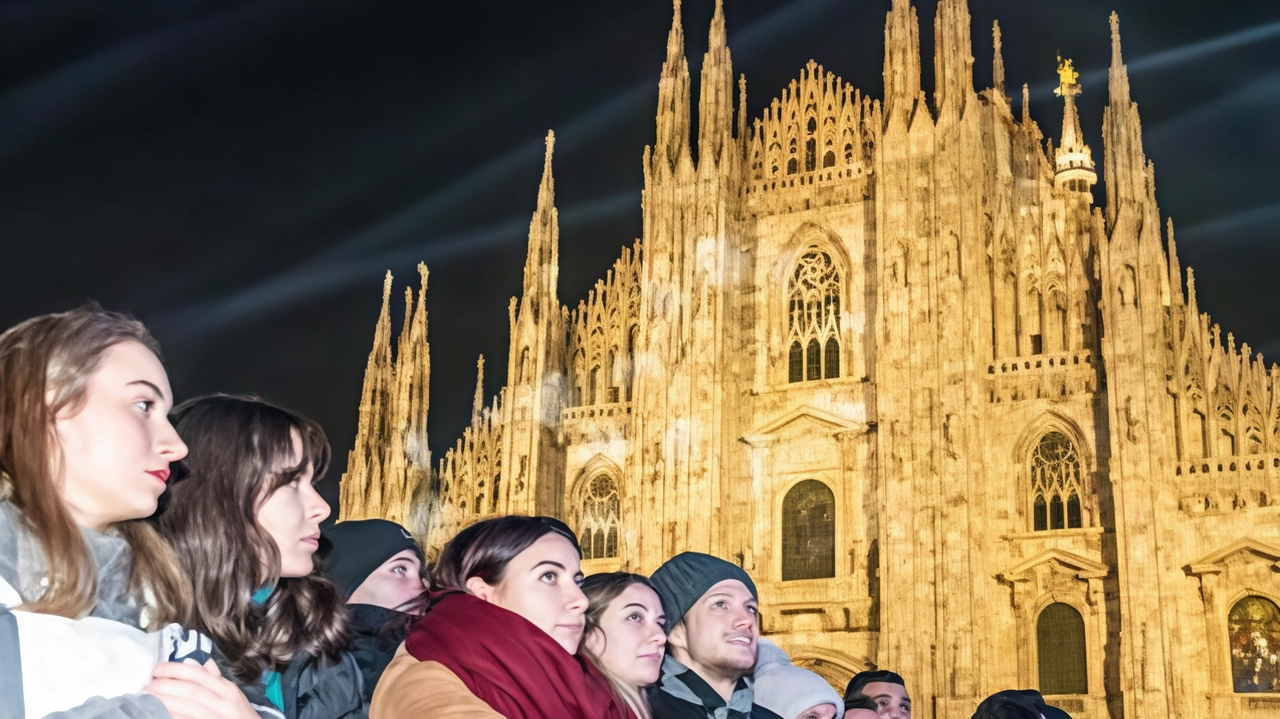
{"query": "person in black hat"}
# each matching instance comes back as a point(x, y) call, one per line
point(1017, 704)
point(378, 566)
point(712, 625)
point(887, 689)
point(860, 706)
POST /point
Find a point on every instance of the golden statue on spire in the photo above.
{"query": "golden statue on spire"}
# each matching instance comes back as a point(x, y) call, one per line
point(1067, 77)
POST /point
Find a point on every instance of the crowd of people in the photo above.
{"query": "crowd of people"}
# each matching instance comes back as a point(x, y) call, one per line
point(161, 561)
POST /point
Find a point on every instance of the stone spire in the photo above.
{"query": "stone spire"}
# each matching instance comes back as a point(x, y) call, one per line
point(901, 59)
point(997, 59)
point(364, 468)
point(1126, 170)
point(1175, 268)
point(1074, 159)
point(673, 101)
point(477, 404)
point(542, 265)
point(390, 457)
point(952, 58)
point(715, 96)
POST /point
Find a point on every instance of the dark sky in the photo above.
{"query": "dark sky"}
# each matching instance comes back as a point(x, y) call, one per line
point(240, 174)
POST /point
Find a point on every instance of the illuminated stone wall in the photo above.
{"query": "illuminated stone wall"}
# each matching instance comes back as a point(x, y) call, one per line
point(887, 355)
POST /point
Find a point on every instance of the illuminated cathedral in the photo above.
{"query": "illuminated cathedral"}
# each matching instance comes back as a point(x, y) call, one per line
point(888, 355)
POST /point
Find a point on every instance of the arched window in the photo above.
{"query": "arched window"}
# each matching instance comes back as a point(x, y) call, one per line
point(810, 155)
point(1055, 484)
point(795, 372)
point(1061, 649)
point(813, 318)
point(831, 359)
point(1254, 636)
point(809, 532)
point(791, 166)
point(600, 518)
point(593, 386)
point(829, 159)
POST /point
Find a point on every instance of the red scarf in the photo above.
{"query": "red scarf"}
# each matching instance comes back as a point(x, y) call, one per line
point(510, 664)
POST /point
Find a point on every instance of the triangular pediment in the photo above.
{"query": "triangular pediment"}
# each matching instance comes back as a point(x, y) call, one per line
point(1214, 563)
point(1081, 567)
point(828, 423)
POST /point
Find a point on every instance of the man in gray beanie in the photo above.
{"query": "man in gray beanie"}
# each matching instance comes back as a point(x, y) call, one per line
point(712, 630)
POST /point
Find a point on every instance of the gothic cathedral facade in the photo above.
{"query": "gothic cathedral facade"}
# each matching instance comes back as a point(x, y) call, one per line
point(888, 355)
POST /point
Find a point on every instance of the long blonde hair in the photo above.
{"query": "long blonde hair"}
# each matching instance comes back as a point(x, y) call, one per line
point(45, 366)
point(601, 590)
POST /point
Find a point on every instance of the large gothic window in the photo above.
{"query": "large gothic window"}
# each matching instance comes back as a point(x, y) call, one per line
point(1061, 648)
point(1056, 488)
point(813, 318)
point(1254, 627)
point(600, 518)
point(809, 532)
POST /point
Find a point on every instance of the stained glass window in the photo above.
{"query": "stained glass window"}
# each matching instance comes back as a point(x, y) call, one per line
point(809, 532)
point(600, 518)
point(1056, 484)
point(813, 318)
point(1061, 649)
point(1253, 627)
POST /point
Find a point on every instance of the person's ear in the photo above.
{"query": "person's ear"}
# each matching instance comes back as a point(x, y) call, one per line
point(678, 637)
point(481, 589)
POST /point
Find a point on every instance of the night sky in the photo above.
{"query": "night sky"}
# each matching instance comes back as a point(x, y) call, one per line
point(240, 175)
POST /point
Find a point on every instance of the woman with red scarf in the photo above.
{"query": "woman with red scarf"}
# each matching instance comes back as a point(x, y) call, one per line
point(500, 633)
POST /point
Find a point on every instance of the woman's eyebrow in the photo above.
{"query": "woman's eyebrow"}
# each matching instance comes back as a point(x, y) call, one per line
point(557, 565)
point(153, 387)
point(636, 604)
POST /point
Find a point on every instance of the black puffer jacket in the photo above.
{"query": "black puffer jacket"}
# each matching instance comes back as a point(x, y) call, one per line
point(313, 688)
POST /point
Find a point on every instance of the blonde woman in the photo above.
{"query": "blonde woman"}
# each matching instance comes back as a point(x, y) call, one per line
point(625, 635)
point(85, 447)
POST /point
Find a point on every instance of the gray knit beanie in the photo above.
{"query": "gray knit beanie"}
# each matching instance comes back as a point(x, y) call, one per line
point(684, 578)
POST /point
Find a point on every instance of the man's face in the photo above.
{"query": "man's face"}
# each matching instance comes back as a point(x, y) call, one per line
point(717, 637)
point(396, 583)
point(891, 698)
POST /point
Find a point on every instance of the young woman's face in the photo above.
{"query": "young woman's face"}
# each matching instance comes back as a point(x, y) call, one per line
point(396, 583)
point(292, 515)
point(630, 640)
point(541, 585)
point(117, 446)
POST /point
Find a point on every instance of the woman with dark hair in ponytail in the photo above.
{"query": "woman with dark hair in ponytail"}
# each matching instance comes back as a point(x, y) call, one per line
point(500, 634)
point(244, 517)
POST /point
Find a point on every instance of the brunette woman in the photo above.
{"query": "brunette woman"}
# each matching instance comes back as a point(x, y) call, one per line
point(85, 447)
point(245, 521)
point(625, 635)
point(501, 632)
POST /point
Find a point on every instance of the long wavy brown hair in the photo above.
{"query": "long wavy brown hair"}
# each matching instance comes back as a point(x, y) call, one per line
point(45, 366)
point(211, 520)
point(601, 590)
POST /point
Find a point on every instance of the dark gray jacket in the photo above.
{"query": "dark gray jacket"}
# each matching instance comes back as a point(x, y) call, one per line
point(681, 694)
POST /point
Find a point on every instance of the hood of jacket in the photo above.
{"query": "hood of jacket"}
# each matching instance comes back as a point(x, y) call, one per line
point(23, 567)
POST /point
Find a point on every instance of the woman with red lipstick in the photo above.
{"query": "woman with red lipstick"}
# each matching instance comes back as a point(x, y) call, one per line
point(88, 590)
point(500, 633)
point(625, 634)
point(244, 517)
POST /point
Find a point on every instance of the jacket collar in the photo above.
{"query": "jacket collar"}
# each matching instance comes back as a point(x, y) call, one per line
point(684, 683)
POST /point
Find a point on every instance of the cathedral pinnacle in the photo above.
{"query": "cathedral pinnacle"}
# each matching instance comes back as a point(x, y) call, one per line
point(997, 60)
point(1075, 168)
point(716, 36)
point(477, 403)
point(675, 39)
point(1119, 78)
